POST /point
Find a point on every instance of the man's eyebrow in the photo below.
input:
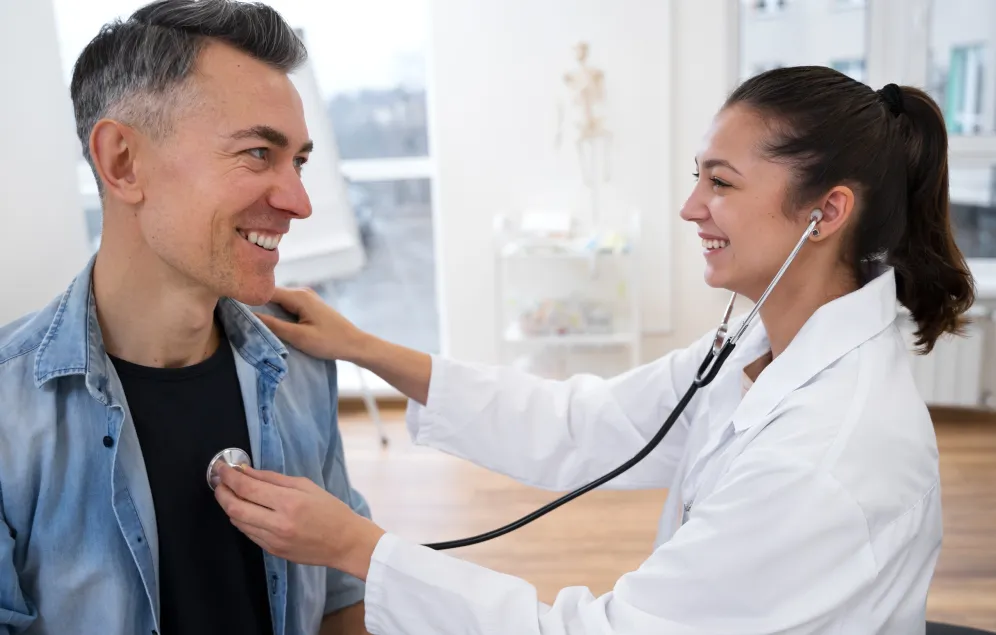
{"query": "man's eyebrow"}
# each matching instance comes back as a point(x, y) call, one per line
point(272, 135)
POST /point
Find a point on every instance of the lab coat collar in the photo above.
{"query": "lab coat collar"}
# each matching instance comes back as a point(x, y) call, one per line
point(835, 329)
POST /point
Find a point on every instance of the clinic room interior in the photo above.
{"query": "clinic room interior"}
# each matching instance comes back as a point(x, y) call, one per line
point(501, 182)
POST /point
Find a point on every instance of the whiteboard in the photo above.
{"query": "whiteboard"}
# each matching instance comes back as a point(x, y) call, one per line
point(326, 245)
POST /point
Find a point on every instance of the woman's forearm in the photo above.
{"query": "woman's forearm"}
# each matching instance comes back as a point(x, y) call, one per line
point(407, 370)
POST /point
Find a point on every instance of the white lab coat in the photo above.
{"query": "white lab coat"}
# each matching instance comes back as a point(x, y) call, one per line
point(809, 504)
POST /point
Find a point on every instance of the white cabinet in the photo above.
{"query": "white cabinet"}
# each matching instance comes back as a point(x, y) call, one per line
point(567, 304)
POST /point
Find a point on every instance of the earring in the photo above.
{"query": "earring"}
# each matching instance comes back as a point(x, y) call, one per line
point(816, 232)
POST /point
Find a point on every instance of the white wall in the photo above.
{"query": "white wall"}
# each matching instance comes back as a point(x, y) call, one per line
point(704, 70)
point(495, 70)
point(40, 205)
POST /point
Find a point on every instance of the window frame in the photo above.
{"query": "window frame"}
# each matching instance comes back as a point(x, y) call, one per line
point(391, 169)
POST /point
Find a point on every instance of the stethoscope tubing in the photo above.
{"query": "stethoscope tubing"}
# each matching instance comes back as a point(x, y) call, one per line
point(722, 348)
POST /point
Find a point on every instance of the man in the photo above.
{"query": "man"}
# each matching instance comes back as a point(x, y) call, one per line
point(117, 395)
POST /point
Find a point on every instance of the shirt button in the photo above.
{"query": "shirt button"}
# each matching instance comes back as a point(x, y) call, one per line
point(108, 442)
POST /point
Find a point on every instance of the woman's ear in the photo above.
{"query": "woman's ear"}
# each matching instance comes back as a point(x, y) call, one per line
point(838, 205)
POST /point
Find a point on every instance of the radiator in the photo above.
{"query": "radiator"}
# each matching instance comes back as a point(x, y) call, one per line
point(952, 374)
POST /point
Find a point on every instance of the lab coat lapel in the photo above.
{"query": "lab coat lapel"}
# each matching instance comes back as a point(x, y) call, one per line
point(712, 439)
point(837, 328)
point(834, 330)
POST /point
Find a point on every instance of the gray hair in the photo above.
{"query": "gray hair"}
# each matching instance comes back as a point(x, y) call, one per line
point(133, 70)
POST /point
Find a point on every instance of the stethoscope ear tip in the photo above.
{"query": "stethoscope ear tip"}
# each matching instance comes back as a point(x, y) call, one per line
point(816, 215)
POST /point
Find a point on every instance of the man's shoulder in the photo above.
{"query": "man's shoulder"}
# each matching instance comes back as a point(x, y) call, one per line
point(23, 336)
point(296, 357)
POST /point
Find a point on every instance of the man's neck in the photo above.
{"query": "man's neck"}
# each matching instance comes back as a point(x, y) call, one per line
point(148, 315)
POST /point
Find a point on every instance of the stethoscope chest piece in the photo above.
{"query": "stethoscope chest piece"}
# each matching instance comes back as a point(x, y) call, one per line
point(231, 456)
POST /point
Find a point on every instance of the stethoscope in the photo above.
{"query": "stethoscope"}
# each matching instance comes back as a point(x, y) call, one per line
point(721, 349)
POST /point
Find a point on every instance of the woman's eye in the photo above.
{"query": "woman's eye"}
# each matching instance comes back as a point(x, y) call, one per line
point(715, 181)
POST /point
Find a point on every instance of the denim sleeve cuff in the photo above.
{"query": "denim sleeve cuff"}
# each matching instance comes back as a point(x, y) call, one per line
point(335, 601)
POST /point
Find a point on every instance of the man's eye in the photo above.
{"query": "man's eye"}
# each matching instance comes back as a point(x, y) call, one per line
point(262, 153)
point(300, 161)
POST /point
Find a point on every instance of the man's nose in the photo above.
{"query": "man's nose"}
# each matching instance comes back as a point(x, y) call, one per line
point(288, 195)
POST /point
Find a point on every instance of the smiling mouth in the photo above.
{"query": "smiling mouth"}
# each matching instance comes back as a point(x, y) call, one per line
point(714, 245)
point(268, 242)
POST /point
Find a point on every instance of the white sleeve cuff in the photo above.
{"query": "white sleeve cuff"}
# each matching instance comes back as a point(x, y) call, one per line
point(419, 419)
point(413, 590)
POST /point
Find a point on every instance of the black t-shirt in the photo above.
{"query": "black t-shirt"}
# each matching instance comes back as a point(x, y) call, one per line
point(211, 576)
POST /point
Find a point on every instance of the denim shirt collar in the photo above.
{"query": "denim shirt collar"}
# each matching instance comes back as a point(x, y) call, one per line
point(74, 345)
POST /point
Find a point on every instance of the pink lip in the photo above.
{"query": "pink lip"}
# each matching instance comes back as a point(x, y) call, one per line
point(711, 237)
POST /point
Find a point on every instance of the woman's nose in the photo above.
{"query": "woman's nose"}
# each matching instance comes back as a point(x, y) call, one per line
point(694, 209)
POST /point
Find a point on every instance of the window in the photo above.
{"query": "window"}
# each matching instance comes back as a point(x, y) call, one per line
point(973, 210)
point(798, 37)
point(959, 64)
point(768, 6)
point(957, 72)
point(854, 69)
point(960, 88)
point(763, 68)
point(394, 295)
point(370, 73)
point(959, 67)
point(942, 46)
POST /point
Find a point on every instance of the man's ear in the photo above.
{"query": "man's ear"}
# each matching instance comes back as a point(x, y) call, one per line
point(113, 147)
point(837, 207)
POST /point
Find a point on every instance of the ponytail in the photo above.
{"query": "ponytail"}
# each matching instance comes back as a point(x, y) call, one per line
point(932, 278)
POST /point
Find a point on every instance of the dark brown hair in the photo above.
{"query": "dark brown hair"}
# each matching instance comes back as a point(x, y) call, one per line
point(890, 146)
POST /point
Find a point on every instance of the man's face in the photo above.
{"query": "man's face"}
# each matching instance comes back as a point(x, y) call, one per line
point(223, 186)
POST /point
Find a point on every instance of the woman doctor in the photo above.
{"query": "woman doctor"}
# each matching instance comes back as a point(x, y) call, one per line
point(804, 487)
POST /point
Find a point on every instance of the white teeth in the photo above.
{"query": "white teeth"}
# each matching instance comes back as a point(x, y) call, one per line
point(266, 242)
point(714, 244)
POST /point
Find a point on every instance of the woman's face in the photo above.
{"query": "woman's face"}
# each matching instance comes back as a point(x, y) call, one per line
point(738, 203)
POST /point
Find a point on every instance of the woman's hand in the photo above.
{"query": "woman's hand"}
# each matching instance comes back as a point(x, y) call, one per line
point(320, 331)
point(294, 519)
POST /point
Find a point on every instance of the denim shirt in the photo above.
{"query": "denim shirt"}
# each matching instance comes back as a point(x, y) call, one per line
point(78, 543)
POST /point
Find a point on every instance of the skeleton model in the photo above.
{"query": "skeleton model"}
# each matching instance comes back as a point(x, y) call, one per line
point(587, 91)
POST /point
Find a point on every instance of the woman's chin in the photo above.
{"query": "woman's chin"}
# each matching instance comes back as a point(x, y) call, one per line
point(715, 278)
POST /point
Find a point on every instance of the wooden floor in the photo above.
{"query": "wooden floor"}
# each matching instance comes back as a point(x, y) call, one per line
point(426, 496)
